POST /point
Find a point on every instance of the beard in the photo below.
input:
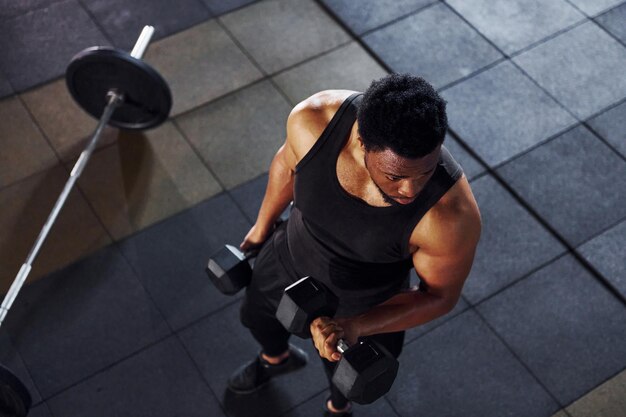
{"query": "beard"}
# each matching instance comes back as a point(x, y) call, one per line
point(385, 197)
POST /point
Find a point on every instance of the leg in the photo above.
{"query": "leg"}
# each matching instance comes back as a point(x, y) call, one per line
point(258, 312)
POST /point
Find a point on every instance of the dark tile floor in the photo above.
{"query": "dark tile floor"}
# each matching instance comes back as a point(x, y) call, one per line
point(537, 106)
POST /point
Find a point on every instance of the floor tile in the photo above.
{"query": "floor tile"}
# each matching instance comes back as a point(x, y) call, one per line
point(561, 413)
point(435, 44)
point(11, 8)
point(25, 151)
point(220, 344)
point(40, 411)
point(439, 373)
point(281, 33)
point(66, 125)
point(363, 16)
point(87, 316)
point(515, 24)
point(170, 258)
point(24, 208)
point(613, 21)
point(511, 245)
point(314, 406)
point(145, 177)
point(5, 87)
point(63, 27)
point(330, 72)
point(418, 331)
point(471, 167)
point(123, 21)
point(239, 134)
point(12, 360)
point(593, 7)
point(606, 253)
point(608, 400)
point(554, 321)
point(159, 382)
point(219, 7)
point(611, 125)
point(581, 68)
point(250, 195)
point(491, 113)
point(571, 182)
point(200, 64)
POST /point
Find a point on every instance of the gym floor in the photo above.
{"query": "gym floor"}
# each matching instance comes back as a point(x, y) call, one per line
point(118, 318)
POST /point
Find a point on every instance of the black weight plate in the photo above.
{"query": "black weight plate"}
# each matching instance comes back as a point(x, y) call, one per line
point(15, 400)
point(95, 71)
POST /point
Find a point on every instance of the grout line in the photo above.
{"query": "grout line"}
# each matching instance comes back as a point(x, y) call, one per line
point(473, 74)
point(400, 18)
point(520, 200)
point(95, 21)
point(390, 404)
point(598, 385)
point(444, 320)
point(518, 358)
point(564, 253)
point(26, 368)
point(356, 38)
point(549, 37)
point(63, 165)
point(200, 373)
point(253, 61)
point(199, 155)
point(224, 190)
point(106, 368)
point(519, 68)
point(309, 398)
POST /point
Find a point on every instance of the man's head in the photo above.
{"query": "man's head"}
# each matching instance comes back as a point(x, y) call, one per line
point(402, 123)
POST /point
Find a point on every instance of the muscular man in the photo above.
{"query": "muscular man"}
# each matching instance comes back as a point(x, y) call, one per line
point(375, 193)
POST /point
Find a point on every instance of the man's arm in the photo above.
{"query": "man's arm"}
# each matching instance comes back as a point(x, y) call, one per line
point(446, 252)
point(301, 136)
point(279, 191)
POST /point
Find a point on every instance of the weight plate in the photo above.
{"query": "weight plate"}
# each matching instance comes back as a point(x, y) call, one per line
point(95, 71)
point(15, 400)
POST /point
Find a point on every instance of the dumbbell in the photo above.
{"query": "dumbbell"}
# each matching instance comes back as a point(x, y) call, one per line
point(229, 269)
point(366, 370)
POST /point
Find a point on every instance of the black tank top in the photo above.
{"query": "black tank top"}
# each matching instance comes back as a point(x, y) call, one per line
point(360, 252)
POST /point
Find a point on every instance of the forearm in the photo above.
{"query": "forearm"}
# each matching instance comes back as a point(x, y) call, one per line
point(278, 194)
point(401, 312)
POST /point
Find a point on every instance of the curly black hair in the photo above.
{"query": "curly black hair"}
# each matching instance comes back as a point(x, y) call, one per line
point(402, 113)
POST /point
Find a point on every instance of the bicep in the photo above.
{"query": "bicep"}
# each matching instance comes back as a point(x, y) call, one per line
point(444, 264)
point(443, 274)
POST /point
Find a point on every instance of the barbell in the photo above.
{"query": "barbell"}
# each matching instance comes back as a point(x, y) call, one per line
point(119, 89)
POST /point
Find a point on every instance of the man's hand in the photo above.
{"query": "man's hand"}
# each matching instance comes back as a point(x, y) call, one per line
point(326, 332)
point(255, 238)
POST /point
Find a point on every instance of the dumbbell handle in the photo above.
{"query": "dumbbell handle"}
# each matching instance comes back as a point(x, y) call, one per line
point(243, 256)
point(342, 346)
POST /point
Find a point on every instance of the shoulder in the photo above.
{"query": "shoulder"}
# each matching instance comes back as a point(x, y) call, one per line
point(453, 225)
point(309, 118)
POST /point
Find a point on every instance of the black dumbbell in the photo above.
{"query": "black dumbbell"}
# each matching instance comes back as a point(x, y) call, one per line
point(229, 269)
point(366, 370)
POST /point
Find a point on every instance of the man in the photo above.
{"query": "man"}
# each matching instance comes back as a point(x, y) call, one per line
point(375, 193)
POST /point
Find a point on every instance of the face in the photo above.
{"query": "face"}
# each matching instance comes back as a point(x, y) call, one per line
point(400, 179)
